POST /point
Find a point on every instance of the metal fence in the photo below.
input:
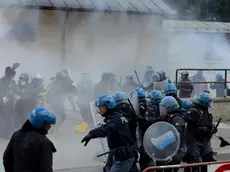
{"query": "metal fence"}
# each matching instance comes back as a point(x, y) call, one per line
point(219, 166)
point(204, 82)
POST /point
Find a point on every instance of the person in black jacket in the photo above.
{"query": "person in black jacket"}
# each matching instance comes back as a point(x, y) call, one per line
point(103, 86)
point(185, 86)
point(8, 89)
point(220, 87)
point(29, 149)
point(124, 107)
point(173, 114)
point(117, 132)
point(200, 130)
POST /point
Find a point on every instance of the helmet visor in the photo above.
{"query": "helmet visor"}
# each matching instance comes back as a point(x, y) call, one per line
point(163, 111)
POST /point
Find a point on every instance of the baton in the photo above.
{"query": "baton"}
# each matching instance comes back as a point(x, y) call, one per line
point(105, 153)
point(217, 124)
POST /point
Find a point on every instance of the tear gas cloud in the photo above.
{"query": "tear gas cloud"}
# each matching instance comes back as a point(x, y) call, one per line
point(96, 43)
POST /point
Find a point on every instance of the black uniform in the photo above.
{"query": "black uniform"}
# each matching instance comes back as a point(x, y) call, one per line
point(128, 113)
point(220, 88)
point(119, 138)
point(115, 129)
point(145, 160)
point(176, 119)
point(200, 130)
point(103, 86)
point(8, 89)
point(185, 87)
point(29, 150)
point(153, 111)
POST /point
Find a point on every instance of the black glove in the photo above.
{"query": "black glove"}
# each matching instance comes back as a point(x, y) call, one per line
point(86, 139)
point(176, 159)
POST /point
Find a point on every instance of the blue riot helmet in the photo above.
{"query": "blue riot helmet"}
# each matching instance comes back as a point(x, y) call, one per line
point(168, 104)
point(156, 77)
point(129, 77)
point(204, 100)
point(155, 96)
point(170, 89)
point(219, 77)
point(41, 116)
point(160, 74)
point(187, 104)
point(139, 92)
point(119, 97)
point(105, 102)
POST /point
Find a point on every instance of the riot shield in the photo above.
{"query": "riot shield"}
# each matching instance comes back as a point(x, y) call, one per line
point(135, 103)
point(98, 120)
point(161, 141)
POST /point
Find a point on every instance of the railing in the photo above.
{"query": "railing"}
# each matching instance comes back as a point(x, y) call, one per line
point(190, 167)
point(205, 82)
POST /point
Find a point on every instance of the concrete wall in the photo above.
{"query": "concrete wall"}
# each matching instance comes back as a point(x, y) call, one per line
point(221, 108)
point(95, 42)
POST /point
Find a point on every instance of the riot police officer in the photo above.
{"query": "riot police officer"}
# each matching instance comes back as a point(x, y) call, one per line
point(153, 109)
point(173, 114)
point(220, 87)
point(125, 108)
point(171, 90)
point(140, 105)
point(200, 130)
point(185, 86)
point(29, 148)
point(117, 132)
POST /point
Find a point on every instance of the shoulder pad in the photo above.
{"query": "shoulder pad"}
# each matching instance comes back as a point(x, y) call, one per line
point(178, 121)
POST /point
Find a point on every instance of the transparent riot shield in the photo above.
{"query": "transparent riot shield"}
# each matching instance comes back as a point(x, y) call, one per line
point(136, 106)
point(98, 120)
point(161, 141)
point(135, 103)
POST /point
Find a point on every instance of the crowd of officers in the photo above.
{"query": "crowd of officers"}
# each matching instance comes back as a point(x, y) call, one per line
point(193, 121)
point(30, 150)
point(188, 86)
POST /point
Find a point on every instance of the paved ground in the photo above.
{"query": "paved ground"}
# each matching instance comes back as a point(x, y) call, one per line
point(72, 156)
